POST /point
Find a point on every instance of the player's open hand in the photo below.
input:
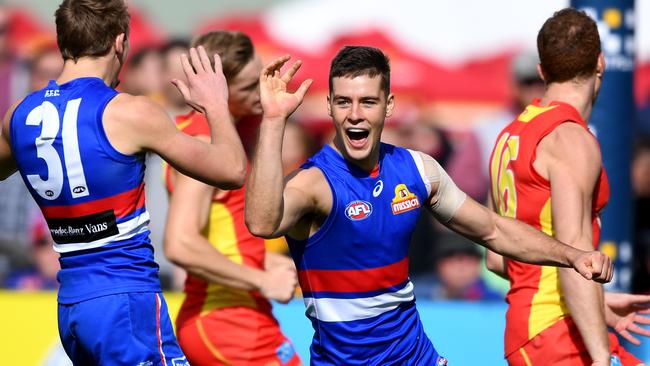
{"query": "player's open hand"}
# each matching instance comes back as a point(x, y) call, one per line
point(623, 314)
point(279, 283)
point(277, 102)
point(206, 85)
point(594, 266)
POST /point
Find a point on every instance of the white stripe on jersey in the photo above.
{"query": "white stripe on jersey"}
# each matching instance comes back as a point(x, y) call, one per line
point(342, 310)
point(127, 230)
point(417, 158)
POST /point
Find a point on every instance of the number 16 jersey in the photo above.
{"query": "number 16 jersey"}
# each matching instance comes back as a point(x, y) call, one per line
point(91, 195)
point(518, 191)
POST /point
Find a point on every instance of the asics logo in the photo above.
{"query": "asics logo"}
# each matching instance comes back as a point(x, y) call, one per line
point(378, 188)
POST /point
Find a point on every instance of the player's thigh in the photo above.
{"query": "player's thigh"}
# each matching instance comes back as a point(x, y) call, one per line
point(235, 335)
point(558, 345)
point(75, 351)
point(130, 328)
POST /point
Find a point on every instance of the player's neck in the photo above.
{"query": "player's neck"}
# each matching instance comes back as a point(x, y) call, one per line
point(368, 164)
point(579, 95)
point(99, 67)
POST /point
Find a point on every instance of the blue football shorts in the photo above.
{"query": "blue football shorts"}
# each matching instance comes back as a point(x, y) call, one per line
point(121, 329)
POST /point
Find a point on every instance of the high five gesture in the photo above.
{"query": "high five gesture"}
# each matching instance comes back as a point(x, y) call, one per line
point(277, 102)
point(206, 84)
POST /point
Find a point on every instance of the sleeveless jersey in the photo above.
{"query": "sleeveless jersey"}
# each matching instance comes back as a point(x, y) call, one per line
point(518, 191)
point(354, 270)
point(227, 232)
point(91, 195)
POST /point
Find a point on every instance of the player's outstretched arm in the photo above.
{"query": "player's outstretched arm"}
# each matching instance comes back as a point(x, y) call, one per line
point(185, 246)
point(7, 162)
point(273, 207)
point(135, 124)
point(569, 158)
point(495, 262)
point(503, 235)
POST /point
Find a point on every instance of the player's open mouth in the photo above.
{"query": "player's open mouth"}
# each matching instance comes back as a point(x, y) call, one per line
point(357, 136)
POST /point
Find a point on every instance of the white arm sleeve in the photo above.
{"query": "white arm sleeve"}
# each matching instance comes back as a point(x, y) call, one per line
point(449, 197)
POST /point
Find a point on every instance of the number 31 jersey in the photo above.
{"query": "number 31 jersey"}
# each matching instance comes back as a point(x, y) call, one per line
point(91, 195)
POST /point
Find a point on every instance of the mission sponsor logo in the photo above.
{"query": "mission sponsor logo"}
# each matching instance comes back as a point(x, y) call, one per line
point(358, 210)
point(404, 200)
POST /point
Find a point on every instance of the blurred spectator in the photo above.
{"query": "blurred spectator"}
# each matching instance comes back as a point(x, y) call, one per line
point(424, 136)
point(527, 85)
point(143, 74)
point(41, 275)
point(13, 73)
point(45, 65)
point(172, 69)
point(465, 166)
point(641, 189)
point(457, 272)
point(16, 204)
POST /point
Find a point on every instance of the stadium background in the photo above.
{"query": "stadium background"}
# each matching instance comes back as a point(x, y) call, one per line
point(451, 64)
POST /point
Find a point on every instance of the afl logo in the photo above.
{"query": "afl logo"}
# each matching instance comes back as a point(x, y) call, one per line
point(79, 189)
point(358, 210)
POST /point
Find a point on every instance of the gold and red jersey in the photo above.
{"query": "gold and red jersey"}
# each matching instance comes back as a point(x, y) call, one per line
point(518, 191)
point(227, 232)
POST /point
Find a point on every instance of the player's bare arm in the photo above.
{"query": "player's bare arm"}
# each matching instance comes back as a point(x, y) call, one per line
point(273, 207)
point(186, 247)
point(504, 235)
point(495, 262)
point(134, 124)
point(569, 158)
point(7, 162)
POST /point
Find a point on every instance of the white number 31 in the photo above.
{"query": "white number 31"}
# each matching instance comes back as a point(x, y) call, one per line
point(48, 115)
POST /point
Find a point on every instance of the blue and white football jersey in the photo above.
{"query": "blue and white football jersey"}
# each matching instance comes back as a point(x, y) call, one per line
point(354, 270)
point(91, 195)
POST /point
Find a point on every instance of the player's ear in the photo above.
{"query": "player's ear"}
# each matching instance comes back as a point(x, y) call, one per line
point(121, 46)
point(329, 106)
point(600, 65)
point(390, 104)
point(540, 72)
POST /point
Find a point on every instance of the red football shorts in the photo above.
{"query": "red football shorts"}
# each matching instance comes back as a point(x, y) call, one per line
point(561, 345)
point(234, 336)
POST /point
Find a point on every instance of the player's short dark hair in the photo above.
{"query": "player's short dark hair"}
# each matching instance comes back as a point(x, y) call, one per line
point(353, 61)
point(234, 48)
point(568, 46)
point(89, 27)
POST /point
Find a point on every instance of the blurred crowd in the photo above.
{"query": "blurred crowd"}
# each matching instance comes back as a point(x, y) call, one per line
point(443, 265)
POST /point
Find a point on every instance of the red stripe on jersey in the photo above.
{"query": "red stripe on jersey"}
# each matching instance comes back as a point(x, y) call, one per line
point(355, 280)
point(123, 204)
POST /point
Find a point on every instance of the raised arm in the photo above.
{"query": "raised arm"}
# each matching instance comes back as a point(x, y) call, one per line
point(570, 159)
point(134, 124)
point(186, 247)
point(7, 162)
point(273, 207)
point(503, 235)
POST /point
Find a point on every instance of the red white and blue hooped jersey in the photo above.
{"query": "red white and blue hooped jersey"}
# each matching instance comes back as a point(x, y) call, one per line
point(91, 195)
point(354, 270)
